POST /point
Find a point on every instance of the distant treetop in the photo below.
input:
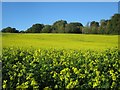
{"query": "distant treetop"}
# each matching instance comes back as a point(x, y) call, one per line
point(111, 26)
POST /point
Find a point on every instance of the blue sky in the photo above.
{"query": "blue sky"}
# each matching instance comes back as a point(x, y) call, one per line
point(22, 15)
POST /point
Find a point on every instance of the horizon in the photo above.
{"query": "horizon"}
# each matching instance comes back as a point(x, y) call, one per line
point(22, 15)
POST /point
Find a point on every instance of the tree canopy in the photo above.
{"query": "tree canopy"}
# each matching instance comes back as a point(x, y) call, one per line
point(46, 29)
point(74, 28)
point(59, 26)
point(36, 28)
point(9, 30)
point(110, 26)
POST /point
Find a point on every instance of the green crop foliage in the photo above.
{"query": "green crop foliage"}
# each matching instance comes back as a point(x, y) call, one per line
point(49, 69)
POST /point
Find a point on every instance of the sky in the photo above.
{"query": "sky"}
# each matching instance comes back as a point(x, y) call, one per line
point(60, 0)
point(22, 15)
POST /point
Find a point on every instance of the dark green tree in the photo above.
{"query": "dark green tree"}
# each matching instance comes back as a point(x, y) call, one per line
point(9, 30)
point(103, 27)
point(114, 24)
point(59, 26)
point(36, 28)
point(22, 31)
point(93, 23)
point(47, 29)
point(94, 27)
point(86, 29)
point(74, 27)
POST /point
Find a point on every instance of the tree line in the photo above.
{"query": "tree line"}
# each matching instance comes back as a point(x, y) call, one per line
point(111, 26)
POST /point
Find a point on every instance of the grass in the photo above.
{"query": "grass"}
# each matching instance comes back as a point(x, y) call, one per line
point(60, 41)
